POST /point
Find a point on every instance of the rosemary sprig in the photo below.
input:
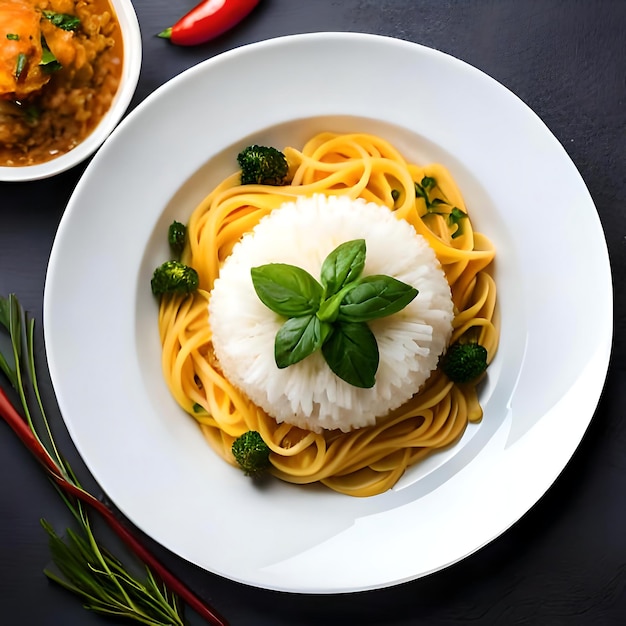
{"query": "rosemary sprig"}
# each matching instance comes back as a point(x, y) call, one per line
point(85, 568)
point(100, 579)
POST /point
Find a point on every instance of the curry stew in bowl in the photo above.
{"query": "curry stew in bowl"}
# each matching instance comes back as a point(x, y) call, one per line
point(60, 67)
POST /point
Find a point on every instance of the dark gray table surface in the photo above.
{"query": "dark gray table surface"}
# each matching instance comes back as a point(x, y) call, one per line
point(564, 562)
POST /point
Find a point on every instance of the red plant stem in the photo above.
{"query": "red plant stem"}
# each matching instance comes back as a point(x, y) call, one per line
point(22, 430)
point(11, 416)
point(144, 554)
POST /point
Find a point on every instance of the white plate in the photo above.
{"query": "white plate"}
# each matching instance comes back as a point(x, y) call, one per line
point(554, 292)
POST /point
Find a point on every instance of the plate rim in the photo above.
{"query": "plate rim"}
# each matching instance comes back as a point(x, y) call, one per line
point(602, 360)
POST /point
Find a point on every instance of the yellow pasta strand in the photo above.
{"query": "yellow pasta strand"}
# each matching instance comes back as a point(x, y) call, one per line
point(369, 460)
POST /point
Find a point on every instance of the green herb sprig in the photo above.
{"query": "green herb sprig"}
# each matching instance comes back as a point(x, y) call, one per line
point(85, 567)
point(454, 216)
point(20, 64)
point(101, 580)
point(331, 316)
point(48, 63)
point(64, 21)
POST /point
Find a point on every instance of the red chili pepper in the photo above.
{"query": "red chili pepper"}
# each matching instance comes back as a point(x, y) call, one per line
point(208, 20)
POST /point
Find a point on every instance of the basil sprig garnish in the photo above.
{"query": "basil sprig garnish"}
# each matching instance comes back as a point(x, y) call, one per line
point(373, 297)
point(343, 266)
point(352, 353)
point(286, 289)
point(299, 337)
point(331, 315)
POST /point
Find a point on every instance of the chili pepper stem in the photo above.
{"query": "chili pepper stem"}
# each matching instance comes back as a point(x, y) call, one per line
point(166, 34)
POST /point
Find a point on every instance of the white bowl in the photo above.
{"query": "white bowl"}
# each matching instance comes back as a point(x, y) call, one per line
point(131, 37)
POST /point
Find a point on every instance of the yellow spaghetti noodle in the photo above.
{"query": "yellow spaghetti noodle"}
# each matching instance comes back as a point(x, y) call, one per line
point(369, 460)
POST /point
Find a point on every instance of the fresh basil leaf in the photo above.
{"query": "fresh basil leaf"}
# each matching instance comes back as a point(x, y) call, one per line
point(351, 352)
point(342, 266)
point(298, 338)
point(373, 297)
point(64, 21)
point(286, 289)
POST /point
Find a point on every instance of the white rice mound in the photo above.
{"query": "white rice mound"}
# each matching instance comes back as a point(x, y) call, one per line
point(308, 394)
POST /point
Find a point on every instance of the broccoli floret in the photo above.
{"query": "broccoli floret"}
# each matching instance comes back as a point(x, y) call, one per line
point(176, 236)
point(174, 277)
point(262, 165)
point(251, 452)
point(463, 362)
